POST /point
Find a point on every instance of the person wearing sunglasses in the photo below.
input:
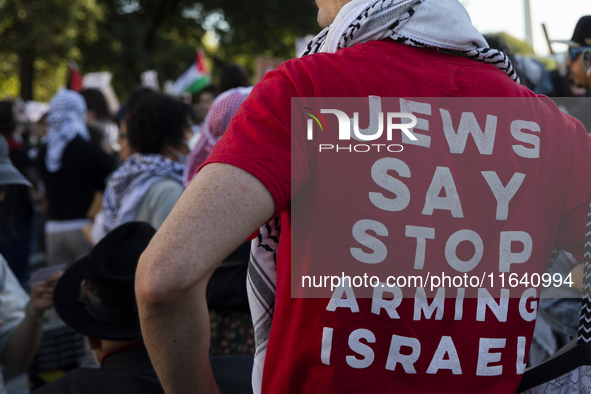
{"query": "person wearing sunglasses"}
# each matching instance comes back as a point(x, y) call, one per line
point(148, 184)
point(580, 41)
point(577, 70)
point(587, 62)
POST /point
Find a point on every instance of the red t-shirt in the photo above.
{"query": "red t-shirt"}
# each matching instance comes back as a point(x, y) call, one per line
point(461, 346)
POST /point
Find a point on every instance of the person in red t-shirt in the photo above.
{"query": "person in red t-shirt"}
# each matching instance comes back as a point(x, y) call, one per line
point(512, 190)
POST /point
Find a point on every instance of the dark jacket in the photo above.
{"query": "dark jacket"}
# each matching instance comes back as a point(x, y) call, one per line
point(71, 189)
point(124, 372)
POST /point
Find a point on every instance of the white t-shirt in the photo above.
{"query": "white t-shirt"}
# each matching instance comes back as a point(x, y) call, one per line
point(13, 300)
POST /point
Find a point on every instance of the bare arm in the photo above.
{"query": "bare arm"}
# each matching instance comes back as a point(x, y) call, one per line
point(19, 351)
point(221, 208)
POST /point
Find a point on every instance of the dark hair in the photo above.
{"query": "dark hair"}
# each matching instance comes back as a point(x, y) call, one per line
point(95, 101)
point(136, 95)
point(7, 123)
point(211, 88)
point(233, 76)
point(157, 121)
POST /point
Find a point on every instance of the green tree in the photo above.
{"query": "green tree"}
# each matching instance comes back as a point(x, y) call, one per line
point(264, 27)
point(42, 34)
point(127, 37)
point(137, 35)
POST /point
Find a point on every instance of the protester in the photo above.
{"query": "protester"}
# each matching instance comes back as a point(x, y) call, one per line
point(417, 49)
point(149, 182)
point(72, 169)
point(21, 318)
point(532, 73)
point(216, 122)
point(201, 103)
point(135, 97)
point(16, 210)
point(559, 307)
point(580, 40)
point(95, 298)
point(99, 120)
point(233, 76)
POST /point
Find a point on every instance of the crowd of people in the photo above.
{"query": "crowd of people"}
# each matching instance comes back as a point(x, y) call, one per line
point(166, 228)
point(67, 194)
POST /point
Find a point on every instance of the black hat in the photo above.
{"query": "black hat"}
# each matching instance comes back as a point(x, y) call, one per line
point(582, 34)
point(96, 295)
point(9, 175)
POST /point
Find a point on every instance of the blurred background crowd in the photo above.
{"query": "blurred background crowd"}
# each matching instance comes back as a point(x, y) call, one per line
point(108, 108)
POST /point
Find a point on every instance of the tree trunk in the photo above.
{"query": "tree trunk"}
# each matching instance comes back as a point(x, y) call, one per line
point(27, 75)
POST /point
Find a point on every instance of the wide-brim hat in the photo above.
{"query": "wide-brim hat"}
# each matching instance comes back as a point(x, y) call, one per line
point(96, 296)
point(582, 34)
point(9, 175)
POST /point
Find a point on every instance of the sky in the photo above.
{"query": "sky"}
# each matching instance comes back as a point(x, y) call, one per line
point(560, 17)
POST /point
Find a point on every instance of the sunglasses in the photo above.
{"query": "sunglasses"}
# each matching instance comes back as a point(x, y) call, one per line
point(587, 59)
point(574, 52)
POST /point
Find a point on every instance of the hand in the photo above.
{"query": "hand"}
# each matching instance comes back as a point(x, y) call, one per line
point(42, 296)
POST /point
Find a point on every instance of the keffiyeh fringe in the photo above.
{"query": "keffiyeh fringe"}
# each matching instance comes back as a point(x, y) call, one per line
point(380, 19)
point(129, 184)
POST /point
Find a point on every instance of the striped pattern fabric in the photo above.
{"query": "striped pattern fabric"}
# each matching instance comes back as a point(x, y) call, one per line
point(585, 322)
point(261, 288)
point(381, 19)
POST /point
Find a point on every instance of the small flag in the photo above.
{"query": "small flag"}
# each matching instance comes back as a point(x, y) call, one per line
point(195, 78)
point(75, 77)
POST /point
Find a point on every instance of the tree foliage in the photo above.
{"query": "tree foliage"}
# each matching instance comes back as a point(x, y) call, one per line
point(43, 34)
point(128, 37)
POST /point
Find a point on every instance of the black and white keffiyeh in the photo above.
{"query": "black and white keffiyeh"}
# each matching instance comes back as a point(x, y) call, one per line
point(66, 119)
point(130, 182)
point(441, 24)
point(261, 288)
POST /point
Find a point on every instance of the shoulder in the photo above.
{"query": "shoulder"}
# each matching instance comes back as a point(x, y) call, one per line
point(162, 193)
point(94, 380)
point(159, 200)
point(165, 187)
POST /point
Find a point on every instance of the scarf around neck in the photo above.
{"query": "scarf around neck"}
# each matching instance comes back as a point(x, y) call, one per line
point(221, 112)
point(129, 184)
point(443, 24)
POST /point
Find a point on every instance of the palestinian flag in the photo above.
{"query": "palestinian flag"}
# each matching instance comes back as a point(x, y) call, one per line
point(195, 78)
point(74, 77)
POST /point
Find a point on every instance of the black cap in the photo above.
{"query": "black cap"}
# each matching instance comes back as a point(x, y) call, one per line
point(582, 35)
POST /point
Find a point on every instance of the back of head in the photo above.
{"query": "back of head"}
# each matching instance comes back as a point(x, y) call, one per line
point(136, 96)
point(7, 124)
point(233, 76)
point(66, 106)
point(96, 102)
point(223, 110)
point(157, 121)
point(218, 118)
